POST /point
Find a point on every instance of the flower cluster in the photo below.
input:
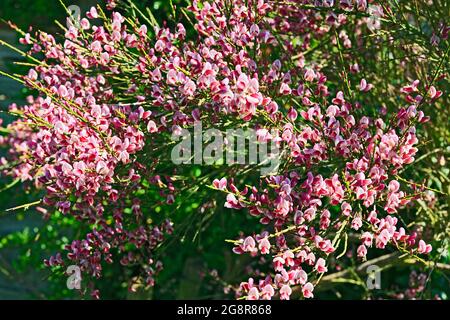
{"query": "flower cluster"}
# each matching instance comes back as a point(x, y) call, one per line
point(111, 94)
point(361, 195)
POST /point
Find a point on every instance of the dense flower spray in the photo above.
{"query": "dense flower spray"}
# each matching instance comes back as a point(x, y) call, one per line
point(111, 92)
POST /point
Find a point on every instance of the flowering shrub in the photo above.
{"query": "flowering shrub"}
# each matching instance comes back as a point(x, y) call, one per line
point(321, 80)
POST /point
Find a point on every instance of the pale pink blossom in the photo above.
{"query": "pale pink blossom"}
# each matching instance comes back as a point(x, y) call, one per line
point(253, 294)
point(320, 266)
point(423, 247)
point(285, 292)
point(307, 290)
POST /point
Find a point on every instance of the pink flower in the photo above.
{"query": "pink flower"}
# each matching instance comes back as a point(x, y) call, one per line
point(26, 39)
point(32, 75)
point(92, 13)
point(300, 277)
point(62, 91)
point(254, 30)
point(362, 251)
point(394, 186)
point(292, 114)
point(433, 93)
point(310, 214)
point(364, 86)
point(232, 202)
point(325, 219)
point(124, 157)
point(160, 45)
point(66, 168)
point(346, 209)
point(285, 292)
point(307, 290)
point(288, 257)
point(410, 88)
point(84, 23)
point(424, 248)
point(151, 126)
point(320, 266)
point(143, 30)
point(96, 46)
point(220, 184)
point(310, 259)
point(189, 88)
point(310, 75)
point(263, 135)
point(267, 292)
point(181, 31)
point(272, 107)
point(361, 5)
point(278, 263)
point(356, 223)
point(401, 235)
point(327, 247)
point(249, 244)
point(285, 89)
point(264, 245)
point(172, 77)
point(104, 58)
point(367, 239)
point(382, 239)
point(253, 294)
point(102, 168)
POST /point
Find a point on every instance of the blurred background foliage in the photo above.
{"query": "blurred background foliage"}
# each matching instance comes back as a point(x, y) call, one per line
point(198, 264)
